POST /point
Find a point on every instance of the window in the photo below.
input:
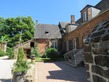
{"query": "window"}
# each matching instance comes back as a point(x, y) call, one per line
point(74, 44)
point(32, 44)
point(46, 32)
point(67, 45)
point(55, 44)
point(85, 17)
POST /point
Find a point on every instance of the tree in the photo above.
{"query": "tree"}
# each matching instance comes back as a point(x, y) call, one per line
point(2, 22)
point(17, 29)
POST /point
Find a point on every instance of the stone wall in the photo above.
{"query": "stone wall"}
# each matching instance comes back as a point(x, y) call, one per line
point(96, 53)
point(97, 61)
point(43, 44)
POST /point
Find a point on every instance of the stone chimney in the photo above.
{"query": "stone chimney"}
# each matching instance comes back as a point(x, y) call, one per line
point(72, 19)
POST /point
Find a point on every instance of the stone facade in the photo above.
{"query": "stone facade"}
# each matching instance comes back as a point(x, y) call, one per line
point(27, 46)
point(96, 53)
point(97, 61)
point(43, 44)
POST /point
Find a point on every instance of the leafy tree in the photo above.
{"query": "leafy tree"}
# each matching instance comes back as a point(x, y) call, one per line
point(3, 38)
point(2, 23)
point(17, 29)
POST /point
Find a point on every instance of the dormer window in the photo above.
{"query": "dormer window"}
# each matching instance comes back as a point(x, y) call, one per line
point(89, 12)
point(85, 16)
point(46, 32)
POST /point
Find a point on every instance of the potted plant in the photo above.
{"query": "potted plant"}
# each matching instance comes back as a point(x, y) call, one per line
point(34, 53)
point(20, 67)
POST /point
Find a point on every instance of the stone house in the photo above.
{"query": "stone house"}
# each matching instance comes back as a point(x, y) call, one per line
point(47, 35)
point(73, 41)
point(27, 46)
point(93, 30)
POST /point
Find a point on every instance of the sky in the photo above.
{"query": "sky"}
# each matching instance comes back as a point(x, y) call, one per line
point(45, 11)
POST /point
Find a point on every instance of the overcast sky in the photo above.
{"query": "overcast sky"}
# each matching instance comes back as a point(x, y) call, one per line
point(45, 11)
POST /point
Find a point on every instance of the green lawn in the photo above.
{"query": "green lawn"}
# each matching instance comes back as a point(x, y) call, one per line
point(42, 59)
point(48, 59)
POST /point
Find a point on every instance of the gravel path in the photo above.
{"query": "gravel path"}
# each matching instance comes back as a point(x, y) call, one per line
point(5, 70)
point(59, 72)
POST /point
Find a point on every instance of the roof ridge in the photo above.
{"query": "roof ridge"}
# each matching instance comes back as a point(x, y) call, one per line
point(48, 24)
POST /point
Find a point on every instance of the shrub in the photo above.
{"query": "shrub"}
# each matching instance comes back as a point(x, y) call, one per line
point(2, 53)
point(21, 65)
point(35, 51)
point(51, 53)
point(10, 52)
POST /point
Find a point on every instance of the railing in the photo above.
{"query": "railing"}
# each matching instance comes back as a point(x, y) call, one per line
point(74, 57)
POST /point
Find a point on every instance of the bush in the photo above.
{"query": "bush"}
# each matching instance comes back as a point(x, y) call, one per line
point(35, 51)
point(51, 53)
point(10, 52)
point(2, 53)
point(21, 65)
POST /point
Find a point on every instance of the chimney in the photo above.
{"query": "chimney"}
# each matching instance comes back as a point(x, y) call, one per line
point(72, 19)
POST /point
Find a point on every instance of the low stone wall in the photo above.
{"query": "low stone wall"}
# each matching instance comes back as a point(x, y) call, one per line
point(96, 57)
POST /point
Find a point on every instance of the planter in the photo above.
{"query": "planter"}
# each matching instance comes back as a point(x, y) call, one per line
point(33, 57)
point(19, 76)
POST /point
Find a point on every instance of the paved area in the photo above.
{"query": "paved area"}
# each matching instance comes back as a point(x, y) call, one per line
point(46, 72)
point(59, 72)
point(5, 70)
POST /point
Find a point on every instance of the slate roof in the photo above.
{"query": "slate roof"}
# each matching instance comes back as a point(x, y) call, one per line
point(103, 5)
point(87, 6)
point(47, 31)
point(63, 24)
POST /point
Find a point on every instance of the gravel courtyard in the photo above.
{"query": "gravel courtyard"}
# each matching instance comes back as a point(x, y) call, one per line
point(47, 72)
point(59, 72)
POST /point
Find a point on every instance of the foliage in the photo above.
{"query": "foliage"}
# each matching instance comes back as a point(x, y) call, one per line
point(51, 53)
point(2, 23)
point(3, 38)
point(20, 55)
point(10, 52)
point(21, 65)
point(17, 29)
point(2, 53)
point(35, 51)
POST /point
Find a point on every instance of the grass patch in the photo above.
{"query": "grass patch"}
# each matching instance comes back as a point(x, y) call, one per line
point(42, 59)
point(48, 59)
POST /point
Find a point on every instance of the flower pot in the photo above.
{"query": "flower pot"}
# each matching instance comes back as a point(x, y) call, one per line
point(17, 73)
point(33, 57)
point(19, 77)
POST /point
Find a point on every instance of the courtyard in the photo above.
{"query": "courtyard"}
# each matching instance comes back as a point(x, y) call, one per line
point(57, 71)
